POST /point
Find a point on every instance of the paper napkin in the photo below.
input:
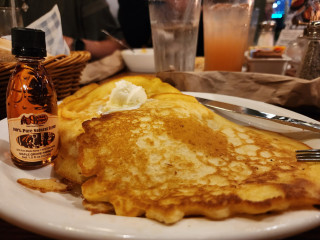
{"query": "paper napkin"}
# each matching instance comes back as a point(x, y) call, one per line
point(50, 23)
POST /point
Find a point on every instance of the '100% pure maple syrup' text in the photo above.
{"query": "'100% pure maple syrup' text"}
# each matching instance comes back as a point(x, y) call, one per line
point(36, 130)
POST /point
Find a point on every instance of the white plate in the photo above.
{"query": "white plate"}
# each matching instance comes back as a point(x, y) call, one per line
point(62, 215)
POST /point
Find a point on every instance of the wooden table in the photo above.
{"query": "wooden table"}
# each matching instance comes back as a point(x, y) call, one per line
point(11, 232)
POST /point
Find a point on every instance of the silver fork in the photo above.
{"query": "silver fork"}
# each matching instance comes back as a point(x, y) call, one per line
point(308, 155)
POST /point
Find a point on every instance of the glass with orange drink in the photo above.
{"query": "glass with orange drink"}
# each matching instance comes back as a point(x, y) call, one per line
point(226, 28)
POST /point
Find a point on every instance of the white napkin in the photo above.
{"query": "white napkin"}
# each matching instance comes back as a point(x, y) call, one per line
point(50, 23)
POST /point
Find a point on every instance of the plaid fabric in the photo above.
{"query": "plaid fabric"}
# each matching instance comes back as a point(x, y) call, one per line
point(50, 23)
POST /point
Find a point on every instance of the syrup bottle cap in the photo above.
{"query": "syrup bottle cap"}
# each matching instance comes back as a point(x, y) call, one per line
point(27, 42)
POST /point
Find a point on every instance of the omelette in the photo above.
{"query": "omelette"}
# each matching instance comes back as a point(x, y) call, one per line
point(172, 157)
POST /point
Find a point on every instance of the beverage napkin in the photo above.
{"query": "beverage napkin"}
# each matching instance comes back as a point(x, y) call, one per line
point(50, 23)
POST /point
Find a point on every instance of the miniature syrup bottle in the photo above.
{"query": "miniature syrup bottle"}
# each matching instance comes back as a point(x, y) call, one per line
point(31, 103)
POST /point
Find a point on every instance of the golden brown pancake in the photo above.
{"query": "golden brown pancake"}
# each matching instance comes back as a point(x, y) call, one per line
point(84, 105)
point(173, 157)
point(44, 185)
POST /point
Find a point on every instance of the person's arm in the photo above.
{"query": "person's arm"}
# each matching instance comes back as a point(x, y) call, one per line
point(98, 49)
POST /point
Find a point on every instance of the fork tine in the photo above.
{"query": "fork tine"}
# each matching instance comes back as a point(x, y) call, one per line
point(308, 154)
point(308, 150)
point(308, 159)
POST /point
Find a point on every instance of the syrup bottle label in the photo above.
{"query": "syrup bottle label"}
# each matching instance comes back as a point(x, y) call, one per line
point(34, 137)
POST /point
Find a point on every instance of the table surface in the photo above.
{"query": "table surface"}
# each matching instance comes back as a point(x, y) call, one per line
point(9, 231)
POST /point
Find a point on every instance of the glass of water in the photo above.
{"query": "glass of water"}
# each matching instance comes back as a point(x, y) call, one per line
point(174, 26)
point(9, 18)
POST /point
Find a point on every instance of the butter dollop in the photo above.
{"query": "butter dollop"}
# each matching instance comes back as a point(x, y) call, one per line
point(125, 96)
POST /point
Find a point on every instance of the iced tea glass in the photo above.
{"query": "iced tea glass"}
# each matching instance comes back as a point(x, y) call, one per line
point(226, 28)
point(174, 26)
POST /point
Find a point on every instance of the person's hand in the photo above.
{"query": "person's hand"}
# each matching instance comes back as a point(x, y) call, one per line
point(69, 41)
point(101, 49)
point(98, 49)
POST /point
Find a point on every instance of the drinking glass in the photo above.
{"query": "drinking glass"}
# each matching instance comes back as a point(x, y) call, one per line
point(226, 28)
point(174, 26)
point(9, 19)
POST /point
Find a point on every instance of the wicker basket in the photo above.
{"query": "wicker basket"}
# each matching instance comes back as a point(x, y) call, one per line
point(64, 70)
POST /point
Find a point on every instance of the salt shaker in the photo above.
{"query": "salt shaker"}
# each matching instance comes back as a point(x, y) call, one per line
point(266, 37)
point(310, 65)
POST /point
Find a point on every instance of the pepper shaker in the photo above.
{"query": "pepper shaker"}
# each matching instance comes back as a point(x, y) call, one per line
point(310, 65)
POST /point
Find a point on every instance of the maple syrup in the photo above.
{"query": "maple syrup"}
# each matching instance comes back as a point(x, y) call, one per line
point(31, 103)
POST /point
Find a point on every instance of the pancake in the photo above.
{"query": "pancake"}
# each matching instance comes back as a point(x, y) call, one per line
point(45, 185)
point(85, 104)
point(172, 157)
